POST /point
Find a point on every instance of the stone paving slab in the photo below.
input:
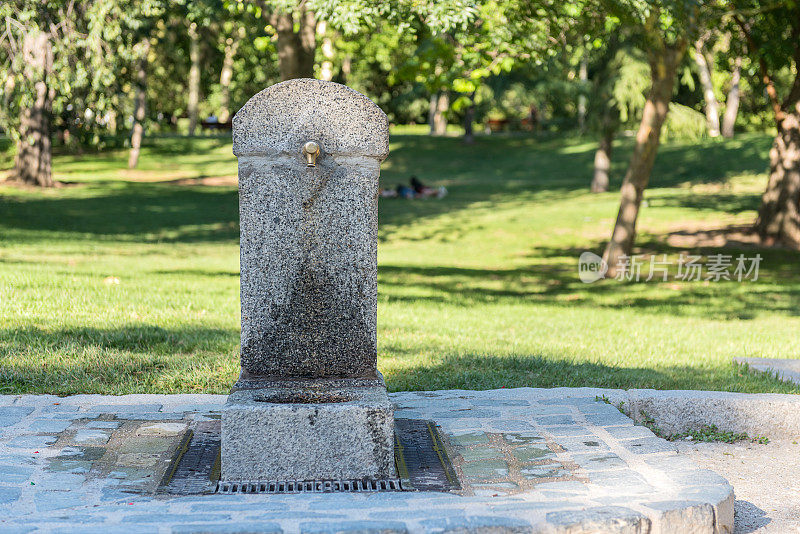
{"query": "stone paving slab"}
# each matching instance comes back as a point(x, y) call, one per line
point(529, 460)
point(785, 369)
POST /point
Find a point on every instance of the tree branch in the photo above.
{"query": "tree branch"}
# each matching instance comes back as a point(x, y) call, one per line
point(777, 108)
point(794, 92)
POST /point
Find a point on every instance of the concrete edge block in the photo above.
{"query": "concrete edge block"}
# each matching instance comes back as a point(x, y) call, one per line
point(756, 414)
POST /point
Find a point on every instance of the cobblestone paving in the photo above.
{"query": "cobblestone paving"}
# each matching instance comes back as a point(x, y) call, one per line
point(529, 460)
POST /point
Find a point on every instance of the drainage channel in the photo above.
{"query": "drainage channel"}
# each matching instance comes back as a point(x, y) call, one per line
point(310, 486)
point(420, 456)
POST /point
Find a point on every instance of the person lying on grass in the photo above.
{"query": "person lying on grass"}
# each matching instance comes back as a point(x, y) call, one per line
point(416, 190)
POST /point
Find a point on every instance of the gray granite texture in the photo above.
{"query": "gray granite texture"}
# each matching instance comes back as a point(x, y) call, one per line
point(303, 433)
point(282, 117)
point(309, 234)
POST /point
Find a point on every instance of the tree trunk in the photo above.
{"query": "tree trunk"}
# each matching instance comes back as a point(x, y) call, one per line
point(602, 163)
point(226, 74)
point(295, 48)
point(439, 118)
point(326, 69)
point(347, 65)
point(111, 122)
point(663, 67)
point(732, 101)
point(779, 215)
point(33, 162)
point(602, 158)
point(469, 118)
point(432, 113)
point(583, 75)
point(704, 68)
point(194, 77)
point(140, 105)
point(9, 90)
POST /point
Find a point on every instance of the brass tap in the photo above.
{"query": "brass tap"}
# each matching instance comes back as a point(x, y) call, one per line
point(311, 151)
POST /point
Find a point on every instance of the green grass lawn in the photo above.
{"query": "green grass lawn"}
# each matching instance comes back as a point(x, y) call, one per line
point(122, 282)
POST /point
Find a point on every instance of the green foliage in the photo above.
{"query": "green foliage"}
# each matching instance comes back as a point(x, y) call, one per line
point(705, 434)
point(648, 421)
point(630, 85)
point(498, 57)
point(710, 433)
point(773, 25)
point(661, 23)
point(93, 45)
point(25, 22)
point(383, 67)
point(684, 123)
point(771, 31)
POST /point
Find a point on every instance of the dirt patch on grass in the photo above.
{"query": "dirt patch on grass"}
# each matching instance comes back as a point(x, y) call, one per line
point(709, 235)
point(136, 175)
point(152, 177)
point(6, 181)
point(227, 180)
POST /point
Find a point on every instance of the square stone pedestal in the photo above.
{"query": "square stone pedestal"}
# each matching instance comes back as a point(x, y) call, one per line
point(331, 430)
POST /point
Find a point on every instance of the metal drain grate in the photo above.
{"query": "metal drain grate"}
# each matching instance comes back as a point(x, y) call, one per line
point(310, 486)
point(422, 461)
point(195, 469)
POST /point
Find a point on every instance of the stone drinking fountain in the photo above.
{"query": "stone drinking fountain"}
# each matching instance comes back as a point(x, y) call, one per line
point(310, 404)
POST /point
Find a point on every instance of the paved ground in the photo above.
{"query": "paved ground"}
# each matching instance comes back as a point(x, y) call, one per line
point(530, 460)
point(765, 478)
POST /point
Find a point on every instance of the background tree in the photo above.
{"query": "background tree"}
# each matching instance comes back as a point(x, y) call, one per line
point(232, 39)
point(663, 31)
point(605, 108)
point(732, 100)
point(38, 44)
point(194, 74)
point(237, 53)
point(705, 67)
point(142, 51)
point(506, 35)
point(486, 47)
point(140, 21)
point(772, 35)
point(296, 30)
point(61, 64)
point(431, 64)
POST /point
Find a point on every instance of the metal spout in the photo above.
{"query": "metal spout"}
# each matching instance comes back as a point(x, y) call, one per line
point(311, 151)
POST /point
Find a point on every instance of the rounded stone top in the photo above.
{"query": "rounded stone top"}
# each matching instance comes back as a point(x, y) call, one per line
point(284, 116)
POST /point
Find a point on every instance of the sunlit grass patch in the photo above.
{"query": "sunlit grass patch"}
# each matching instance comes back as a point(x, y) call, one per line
point(120, 285)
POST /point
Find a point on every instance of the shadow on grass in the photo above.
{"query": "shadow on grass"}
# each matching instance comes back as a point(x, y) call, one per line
point(145, 358)
point(717, 202)
point(131, 211)
point(476, 371)
point(129, 359)
point(196, 272)
point(133, 338)
point(556, 283)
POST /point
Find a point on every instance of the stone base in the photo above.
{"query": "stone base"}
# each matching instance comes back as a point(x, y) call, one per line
point(289, 431)
point(529, 460)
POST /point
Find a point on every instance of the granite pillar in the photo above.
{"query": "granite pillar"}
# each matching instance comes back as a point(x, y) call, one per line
point(309, 403)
